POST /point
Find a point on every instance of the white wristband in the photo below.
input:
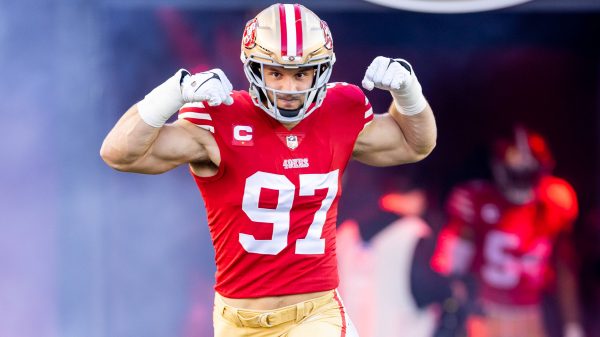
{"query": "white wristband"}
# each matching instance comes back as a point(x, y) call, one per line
point(162, 102)
point(409, 100)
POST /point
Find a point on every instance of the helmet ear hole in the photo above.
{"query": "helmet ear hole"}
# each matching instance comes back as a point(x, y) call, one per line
point(255, 68)
point(262, 96)
point(317, 71)
point(323, 67)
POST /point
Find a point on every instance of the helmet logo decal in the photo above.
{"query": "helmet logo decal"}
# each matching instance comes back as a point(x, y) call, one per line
point(249, 39)
point(327, 34)
point(290, 20)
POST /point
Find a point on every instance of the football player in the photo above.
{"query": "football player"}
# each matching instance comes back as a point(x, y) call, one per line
point(509, 233)
point(269, 162)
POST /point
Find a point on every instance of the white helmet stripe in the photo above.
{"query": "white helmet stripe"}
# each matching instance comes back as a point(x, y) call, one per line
point(290, 18)
point(291, 29)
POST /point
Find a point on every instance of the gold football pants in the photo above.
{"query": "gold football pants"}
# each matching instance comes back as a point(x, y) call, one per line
point(319, 317)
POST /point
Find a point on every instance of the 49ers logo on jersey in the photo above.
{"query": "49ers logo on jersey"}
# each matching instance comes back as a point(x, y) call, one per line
point(242, 135)
point(295, 163)
point(249, 39)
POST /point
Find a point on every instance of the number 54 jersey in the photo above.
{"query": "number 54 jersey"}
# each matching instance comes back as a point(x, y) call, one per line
point(511, 245)
point(272, 206)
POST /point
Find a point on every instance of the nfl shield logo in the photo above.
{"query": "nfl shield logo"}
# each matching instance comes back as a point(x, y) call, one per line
point(291, 141)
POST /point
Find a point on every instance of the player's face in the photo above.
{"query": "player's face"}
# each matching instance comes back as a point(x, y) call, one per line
point(288, 79)
point(517, 176)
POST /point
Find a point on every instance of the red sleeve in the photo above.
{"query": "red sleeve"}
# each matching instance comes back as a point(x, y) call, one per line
point(454, 250)
point(561, 198)
point(198, 114)
point(357, 103)
point(454, 244)
point(461, 205)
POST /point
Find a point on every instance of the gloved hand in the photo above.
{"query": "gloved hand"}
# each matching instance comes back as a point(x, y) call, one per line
point(166, 99)
point(398, 77)
point(211, 86)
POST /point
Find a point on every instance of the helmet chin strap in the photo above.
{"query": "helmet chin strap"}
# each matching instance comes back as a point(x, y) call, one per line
point(289, 113)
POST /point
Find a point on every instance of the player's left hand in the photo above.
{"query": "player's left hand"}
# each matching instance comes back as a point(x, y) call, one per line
point(388, 74)
point(211, 86)
point(397, 77)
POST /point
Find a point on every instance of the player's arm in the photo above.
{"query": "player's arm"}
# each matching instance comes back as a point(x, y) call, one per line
point(141, 142)
point(560, 197)
point(455, 248)
point(134, 146)
point(567, 288)
point(407, 133)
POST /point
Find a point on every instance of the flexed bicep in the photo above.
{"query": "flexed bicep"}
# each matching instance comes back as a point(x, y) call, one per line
point(134, 146)
point(177, 144)
point(382, 143)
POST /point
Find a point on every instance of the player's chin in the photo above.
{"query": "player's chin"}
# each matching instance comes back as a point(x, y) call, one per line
point(289, 104)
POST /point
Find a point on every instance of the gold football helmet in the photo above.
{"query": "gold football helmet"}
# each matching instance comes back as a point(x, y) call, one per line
point(518, 164)
point(290, 36)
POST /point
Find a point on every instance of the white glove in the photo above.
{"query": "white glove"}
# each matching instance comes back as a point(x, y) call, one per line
point(166, 99)
point(398, 77)
point(212, 86)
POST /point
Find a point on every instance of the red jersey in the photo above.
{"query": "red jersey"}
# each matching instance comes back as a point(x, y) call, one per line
point(512, 243)
point(272, 206)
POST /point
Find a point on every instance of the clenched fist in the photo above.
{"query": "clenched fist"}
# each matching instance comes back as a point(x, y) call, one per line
point(388, 74)
point(397, 77)
point(211, 86)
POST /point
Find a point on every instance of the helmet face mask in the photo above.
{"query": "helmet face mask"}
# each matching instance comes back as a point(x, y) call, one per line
point(292, 37)
point(517, 183)
point(518, 165)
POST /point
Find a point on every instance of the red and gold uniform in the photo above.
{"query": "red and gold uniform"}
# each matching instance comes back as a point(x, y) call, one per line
point(272, 206)
point(512, 243)
point(508, 248)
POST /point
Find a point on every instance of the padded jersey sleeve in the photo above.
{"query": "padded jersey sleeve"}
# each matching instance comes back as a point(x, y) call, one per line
point(455, 249)
point(198, 114)
point(461, 205)
point(358, 108)
point(561, 199)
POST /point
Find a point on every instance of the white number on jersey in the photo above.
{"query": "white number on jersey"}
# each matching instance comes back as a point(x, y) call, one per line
point(280, 216)
point(502, 269)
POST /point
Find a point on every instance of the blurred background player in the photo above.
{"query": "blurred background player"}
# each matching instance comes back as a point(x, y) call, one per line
point(513, 234)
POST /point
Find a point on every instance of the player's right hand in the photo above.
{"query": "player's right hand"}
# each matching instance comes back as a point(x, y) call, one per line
point(210, 86)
